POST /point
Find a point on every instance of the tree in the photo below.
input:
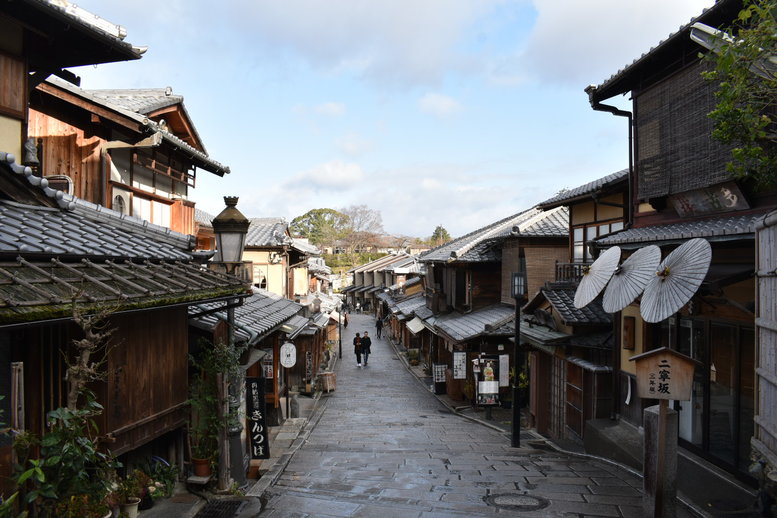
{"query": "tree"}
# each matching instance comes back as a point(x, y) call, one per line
point(439, 237)
point(364, 226)
point(320, 226)
point(746, 73)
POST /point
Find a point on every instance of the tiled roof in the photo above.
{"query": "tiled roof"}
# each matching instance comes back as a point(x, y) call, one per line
point(380, 263)
point(597, 186)
point(203, 218)
point(82, 229)
point(408, 305)
point(260, 314)
point(140, 100)
point(302, 245)
point(160, 133)
point(714, 229)
point(479, 246)
point(268, 232)
point(77, 37)
point(563, 302)
point(463, 327)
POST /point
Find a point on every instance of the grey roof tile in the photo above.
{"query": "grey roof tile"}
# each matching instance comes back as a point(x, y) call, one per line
point(459, 247)
point(260, 314)
point(83, 229)
point(139, 100)
point(587, 189)
point(563, 302)
point(463, 327)
point(268, 232)
point(712, 229)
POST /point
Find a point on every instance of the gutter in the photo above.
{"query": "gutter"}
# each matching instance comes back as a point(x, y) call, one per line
point(597, 106)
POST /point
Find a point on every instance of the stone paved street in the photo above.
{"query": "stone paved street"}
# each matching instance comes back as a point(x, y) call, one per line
point(382, 444)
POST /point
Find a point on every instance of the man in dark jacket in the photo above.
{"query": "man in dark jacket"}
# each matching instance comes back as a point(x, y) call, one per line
point(357, 349)
point(379, 326)
point(366, 343)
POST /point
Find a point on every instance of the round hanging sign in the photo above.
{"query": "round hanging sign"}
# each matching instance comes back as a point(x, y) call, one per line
point(288, 355)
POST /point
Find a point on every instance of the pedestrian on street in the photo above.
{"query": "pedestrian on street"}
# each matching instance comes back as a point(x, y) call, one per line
point(357, 349)
point(366, 343)
point(345, 320)
point(379, 327)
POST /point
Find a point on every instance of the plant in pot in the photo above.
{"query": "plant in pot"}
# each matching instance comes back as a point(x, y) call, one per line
point(204, 419)
point(130, 492)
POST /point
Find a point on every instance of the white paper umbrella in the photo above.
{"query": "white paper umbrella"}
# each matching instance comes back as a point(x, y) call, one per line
point(676, 280)
point(630, 278)
point(596, 277)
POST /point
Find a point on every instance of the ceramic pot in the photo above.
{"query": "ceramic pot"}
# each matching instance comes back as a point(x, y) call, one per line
point(130, 507)
point(201, 467)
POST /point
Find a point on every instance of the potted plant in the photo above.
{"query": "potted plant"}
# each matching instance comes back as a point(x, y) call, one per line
point(129, 492)
point(83, 506)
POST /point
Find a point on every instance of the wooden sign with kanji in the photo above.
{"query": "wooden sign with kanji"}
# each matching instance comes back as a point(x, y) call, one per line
point(664, 374)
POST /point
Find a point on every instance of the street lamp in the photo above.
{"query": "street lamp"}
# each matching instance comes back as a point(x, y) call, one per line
point(518, 286)
point(230, 227)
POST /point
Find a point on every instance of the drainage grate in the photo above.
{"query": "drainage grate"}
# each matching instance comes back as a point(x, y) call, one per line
point(517, 502)
point(220, 509)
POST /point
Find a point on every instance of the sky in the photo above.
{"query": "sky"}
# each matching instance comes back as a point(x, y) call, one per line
point(432, 112)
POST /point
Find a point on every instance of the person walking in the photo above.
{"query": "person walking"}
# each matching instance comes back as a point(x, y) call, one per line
point(357, 349)
point(345, 320)
point(366, 343)
point(379, 327)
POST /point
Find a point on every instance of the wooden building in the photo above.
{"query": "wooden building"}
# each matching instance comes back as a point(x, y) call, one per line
point(135, 151)
point(680, 188)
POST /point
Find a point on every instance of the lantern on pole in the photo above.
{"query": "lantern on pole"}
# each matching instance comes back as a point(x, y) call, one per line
point(230, 227)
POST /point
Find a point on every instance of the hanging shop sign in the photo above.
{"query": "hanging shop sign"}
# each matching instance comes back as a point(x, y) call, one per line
point(256, 416)
point(288, 355)
point(459, 365)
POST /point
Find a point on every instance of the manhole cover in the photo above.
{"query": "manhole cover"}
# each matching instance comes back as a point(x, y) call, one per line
point(220, 509)
point(517, 502)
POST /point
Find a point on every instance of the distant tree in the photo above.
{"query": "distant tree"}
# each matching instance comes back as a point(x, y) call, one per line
point(745, 60)
point(320, 226)
point(365, 226)
point(439, 237)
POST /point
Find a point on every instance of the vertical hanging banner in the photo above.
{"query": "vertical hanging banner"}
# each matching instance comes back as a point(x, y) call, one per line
point(257, 418)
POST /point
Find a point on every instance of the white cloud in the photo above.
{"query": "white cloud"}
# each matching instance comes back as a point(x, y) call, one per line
point(386, 41)
point(331, 175)
point(581, 43)
point(353, 145)
point(439, 105)
point(331, 108)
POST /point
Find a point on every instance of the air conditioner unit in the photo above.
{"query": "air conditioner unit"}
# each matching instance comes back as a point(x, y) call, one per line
point(121, 201)
point(60, 182)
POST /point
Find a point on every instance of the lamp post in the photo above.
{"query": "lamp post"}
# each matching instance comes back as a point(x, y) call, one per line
point(230, 227)
point(518, 291)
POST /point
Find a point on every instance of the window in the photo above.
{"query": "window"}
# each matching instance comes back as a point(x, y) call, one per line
point(583, 234)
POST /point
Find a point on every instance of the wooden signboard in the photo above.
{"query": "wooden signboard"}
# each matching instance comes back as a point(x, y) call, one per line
point(257, 420)
point(664, 374)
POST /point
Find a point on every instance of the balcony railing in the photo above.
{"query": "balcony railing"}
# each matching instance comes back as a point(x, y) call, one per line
point(571, 271)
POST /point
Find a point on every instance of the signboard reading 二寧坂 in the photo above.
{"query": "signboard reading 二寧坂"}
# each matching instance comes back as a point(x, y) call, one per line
point(664, 374)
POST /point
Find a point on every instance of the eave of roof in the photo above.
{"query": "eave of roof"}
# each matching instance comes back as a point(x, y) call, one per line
point(33, 291)
point(146, 125)
point(601, 186)
point(728, 228)
point(69, 36)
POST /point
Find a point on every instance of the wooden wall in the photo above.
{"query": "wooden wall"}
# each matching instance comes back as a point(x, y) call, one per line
point(765, 438)
point(147, 385)
point(68, 151)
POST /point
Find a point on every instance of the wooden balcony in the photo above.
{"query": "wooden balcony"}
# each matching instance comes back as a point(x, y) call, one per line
point(571, 271)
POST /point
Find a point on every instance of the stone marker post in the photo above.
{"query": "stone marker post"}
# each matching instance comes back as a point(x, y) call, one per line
point(662, 374)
